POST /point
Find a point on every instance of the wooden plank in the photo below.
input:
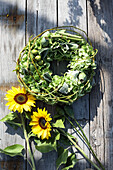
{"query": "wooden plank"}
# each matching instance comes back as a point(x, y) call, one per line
point(74, 13)
point(12, 34)
point(47, 15)
point(32, 19)
point(101, 124)
point(82, 164)
point(42, 15)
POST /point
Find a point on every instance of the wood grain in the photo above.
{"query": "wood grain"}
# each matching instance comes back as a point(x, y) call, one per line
point(73, 13)
point(12, 35)
point(101, 124)
point(24, 18)
point(42, 15)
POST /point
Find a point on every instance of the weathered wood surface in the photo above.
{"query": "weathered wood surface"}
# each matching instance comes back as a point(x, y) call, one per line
point(44, 16)
point(21, 19)
point(12, 40)
point(74, 13)
point(100, 31)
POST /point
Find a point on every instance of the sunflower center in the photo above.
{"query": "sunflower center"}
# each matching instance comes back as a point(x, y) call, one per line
point(21, 98)
point(42, 123)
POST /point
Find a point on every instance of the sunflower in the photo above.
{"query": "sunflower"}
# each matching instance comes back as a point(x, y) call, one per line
point(19, 100)
point(41, 124)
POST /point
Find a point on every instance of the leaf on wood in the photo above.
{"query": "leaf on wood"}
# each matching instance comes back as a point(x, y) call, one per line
point(62, 159)
point(8, 117)
point(13, 150)
point(58, 124)
point(71, 161)
point(45, 146)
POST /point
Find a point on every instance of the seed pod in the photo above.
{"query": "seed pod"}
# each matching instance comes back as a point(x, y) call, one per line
point(32, 68)
point(40, 62)
point(35, 52)
point(49, 59)
point(38, 58)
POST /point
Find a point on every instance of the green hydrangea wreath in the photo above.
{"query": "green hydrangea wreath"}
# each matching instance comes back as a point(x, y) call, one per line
point(35, 65)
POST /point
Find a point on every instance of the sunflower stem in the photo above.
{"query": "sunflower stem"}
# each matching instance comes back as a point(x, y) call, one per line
point(28, 145)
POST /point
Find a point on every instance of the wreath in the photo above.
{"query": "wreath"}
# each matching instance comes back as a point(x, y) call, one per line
point(35, 70)
point(35, 65)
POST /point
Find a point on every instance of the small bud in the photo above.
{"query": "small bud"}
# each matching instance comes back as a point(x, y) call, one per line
point(35, 52)
point(40, 62)
point(38, 58)
point(49, 59)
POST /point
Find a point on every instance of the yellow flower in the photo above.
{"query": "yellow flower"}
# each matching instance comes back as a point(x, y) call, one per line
point(41, 124)
point(19, 100)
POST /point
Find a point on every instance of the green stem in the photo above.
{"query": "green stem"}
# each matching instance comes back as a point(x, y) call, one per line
point(86, 140)
point(83, 153)
point(67, 37)
point(28, 161)
point(70, 35)
point(76, 129)
point(79, 149)
point(28, 145)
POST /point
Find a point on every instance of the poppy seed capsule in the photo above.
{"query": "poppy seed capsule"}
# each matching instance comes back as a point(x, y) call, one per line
point(82, 77)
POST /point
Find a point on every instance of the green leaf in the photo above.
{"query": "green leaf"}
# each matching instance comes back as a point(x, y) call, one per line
point(62, 159)
point(82, 77)
point(59, 124)
point(74, 46)
point(28, 115)
point(42, 50)
point(47, 77)
point(13, 150)
point(56, 80)
point(59, 114)
point(45, 146)
point(10, 116)
point(17, 148)
point(66, 143)
point(60, 111)
point(69, 111)
point(64, 88)
point(12, 120)
point(11, 154)
point(46, 34)
point(14, 124)
point(57, 137)
point(71, 161)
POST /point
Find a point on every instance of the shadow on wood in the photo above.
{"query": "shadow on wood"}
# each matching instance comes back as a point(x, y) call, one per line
point(96, 108)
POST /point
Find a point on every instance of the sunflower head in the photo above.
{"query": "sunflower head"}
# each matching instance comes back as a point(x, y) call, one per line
point(41, 124)
point(19, 100)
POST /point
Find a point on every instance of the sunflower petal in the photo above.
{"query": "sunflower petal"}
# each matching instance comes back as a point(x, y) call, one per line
point(38, 128)
point(19, 105)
